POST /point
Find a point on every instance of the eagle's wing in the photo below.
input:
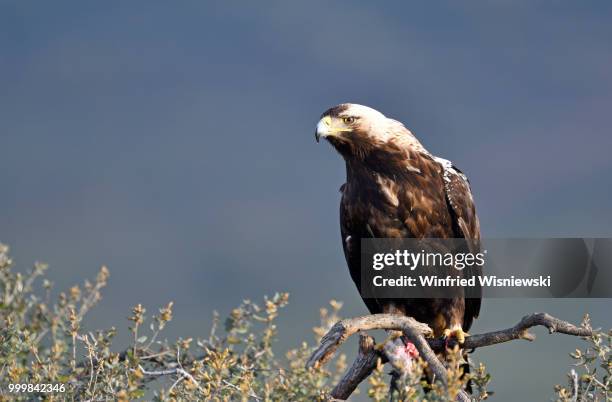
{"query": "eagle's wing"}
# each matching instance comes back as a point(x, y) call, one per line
point(465, 221)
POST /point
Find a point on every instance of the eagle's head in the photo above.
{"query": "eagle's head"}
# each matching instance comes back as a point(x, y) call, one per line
point(356, 131)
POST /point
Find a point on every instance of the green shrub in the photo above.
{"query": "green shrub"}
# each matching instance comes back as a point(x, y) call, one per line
point(43, 342)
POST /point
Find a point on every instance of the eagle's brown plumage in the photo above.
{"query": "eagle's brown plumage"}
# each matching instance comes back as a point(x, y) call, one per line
point(396, 189)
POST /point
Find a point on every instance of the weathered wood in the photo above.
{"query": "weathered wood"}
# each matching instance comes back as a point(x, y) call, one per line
point(519, 331)
point(417, 332)
point(343, 329)
point(364, 364)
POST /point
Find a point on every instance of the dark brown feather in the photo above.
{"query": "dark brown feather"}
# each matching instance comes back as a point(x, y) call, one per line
point(421, 205)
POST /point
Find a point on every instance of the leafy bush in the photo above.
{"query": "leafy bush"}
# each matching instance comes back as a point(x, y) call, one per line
point(591, 380)
point(43, 342)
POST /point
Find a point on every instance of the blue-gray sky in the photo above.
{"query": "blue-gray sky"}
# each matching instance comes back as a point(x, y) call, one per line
point(174, 143)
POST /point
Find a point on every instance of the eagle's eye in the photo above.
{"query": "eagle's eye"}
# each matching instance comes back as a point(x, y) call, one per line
point(348, 120)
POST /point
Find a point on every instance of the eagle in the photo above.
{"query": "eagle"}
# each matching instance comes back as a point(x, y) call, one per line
point(395, 188)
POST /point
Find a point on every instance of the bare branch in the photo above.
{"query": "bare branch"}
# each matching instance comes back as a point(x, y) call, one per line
point(342, 330)
point(179, 371)
point(574, 378)
point(416, 333)
point(519, 331)
point(363, 365)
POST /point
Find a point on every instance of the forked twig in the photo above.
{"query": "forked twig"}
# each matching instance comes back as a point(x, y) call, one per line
point(419, 333)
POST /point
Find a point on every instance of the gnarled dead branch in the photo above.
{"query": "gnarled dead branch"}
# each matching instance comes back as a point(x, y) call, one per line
point(419, 333)
point(343, 329)
point(364, 364)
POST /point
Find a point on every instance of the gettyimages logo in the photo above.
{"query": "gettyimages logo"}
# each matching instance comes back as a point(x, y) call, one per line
point(414, 260)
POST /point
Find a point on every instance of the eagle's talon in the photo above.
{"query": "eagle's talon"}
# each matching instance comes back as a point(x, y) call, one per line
point(457, 333)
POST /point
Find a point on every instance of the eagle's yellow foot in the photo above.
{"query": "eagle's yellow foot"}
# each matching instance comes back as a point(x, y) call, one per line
point(456, 333)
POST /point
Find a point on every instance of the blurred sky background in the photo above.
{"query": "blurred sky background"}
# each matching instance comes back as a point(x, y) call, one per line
point(173, 142)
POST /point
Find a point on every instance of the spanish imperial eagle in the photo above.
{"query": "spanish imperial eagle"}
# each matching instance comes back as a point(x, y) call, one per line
point(395, 188)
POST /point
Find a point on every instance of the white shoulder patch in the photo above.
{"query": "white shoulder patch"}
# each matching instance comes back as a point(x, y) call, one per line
point(449, 173)
point(449, 169)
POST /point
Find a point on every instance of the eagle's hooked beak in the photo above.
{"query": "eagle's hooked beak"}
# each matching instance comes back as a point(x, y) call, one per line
point(324, 128)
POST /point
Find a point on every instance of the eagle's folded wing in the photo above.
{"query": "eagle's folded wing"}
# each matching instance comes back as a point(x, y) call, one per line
point(463, 211)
